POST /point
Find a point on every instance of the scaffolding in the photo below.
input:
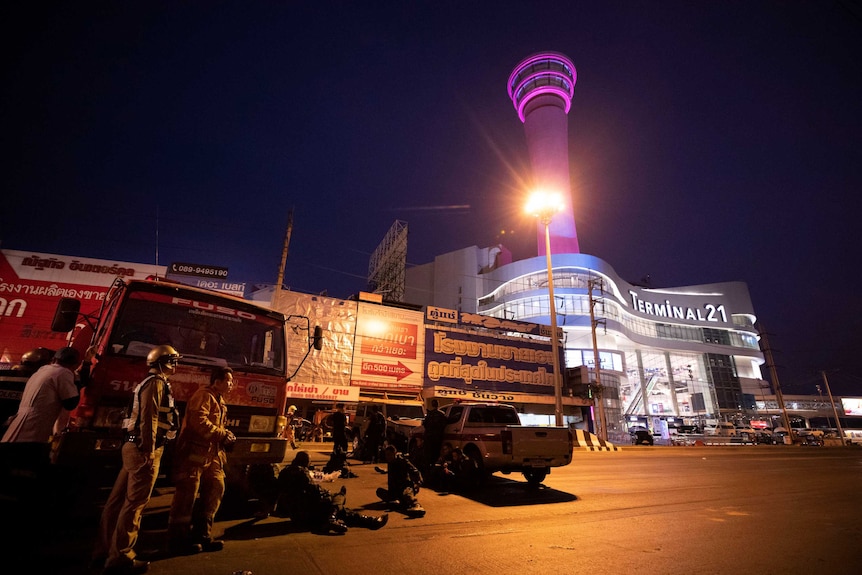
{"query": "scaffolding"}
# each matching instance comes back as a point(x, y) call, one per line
point(388, 263)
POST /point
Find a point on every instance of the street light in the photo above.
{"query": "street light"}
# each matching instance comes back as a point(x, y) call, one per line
point(544, 205)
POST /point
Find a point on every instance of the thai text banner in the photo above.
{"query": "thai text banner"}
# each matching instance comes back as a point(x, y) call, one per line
point(468, 360)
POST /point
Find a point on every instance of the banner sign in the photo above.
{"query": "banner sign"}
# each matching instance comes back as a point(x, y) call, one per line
point(389, 346)
point(494, 364)
point(320, 392)
point(31, 285)
point(851, 405)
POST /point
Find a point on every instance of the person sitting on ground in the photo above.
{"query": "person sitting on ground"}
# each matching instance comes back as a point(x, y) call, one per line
point(437, 478)
point(307, 503)
point(338, 462)
point(403, 483)
point(461, 472)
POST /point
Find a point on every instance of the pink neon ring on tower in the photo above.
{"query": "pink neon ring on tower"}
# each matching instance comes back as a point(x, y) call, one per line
point(560, 70)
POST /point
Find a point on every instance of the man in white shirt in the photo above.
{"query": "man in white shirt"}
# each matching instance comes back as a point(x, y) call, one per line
point(48, 391)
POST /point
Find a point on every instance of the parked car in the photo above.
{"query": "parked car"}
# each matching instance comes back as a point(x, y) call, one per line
point(811, 437)
point(780, 435)
point(764, 437)
point(642, 437)
point(745, 432)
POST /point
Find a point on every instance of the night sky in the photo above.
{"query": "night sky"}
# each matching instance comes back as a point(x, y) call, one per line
point(709, 142)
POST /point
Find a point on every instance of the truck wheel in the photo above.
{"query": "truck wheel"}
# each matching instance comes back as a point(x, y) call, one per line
point(535, 477)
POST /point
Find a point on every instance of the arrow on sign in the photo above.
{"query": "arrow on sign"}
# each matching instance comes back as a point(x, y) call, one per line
point(399, 371)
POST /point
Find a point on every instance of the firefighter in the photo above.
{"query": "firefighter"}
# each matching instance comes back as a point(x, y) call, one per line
point(152, 422)
point(200, 457)
point(289, 430)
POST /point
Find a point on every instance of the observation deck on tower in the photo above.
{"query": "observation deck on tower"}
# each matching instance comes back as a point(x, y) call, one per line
point(547, 73)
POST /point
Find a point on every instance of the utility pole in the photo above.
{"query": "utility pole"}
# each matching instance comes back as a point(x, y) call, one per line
point(280, 279)
point(767, 351)
point(600, 401)
point(834, 411)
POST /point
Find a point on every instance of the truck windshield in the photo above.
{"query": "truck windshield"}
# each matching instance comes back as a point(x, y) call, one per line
point(494, 415)
point(203, 329)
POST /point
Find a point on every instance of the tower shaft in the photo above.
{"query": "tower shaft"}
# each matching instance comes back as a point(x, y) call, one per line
point(541, 88)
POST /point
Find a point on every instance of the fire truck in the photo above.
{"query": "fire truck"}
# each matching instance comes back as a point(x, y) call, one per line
point(208, 329)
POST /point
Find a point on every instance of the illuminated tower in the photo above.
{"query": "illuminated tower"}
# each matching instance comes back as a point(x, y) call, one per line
point(541, 88)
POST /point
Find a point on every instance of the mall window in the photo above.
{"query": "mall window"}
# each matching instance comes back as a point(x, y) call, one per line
point(728, 391)
point(718, 336)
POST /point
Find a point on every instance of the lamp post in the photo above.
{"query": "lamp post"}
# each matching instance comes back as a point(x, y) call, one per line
point(544, 205)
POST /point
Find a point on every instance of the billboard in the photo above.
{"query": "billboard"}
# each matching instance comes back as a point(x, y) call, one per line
point(389, 347)
point(852, 405)
point(474, 362)
point(32, 283)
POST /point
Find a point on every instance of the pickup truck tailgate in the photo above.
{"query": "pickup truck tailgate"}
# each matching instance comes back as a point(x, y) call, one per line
point(553, 445)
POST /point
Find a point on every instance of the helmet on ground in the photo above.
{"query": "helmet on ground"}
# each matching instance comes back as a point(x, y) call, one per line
point(37, 357)
point(291, 409)
point(162, 354)
point(68, 356)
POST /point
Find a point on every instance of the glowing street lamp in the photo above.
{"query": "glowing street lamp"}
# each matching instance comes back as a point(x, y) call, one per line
point(543, 205)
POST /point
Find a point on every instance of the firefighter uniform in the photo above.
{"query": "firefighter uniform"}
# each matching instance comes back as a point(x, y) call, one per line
point(200, 458)
point(152, 422)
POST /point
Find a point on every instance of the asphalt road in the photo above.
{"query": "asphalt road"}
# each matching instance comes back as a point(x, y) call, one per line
point(693, 510)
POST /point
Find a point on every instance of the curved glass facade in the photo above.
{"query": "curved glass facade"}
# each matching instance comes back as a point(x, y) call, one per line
point(681, 355)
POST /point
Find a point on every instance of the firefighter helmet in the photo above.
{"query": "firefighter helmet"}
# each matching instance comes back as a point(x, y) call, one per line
point(37, 357)
point(161, 355)
point(291, 409)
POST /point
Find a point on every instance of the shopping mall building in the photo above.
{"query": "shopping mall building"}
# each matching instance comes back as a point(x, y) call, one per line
point(666, 356)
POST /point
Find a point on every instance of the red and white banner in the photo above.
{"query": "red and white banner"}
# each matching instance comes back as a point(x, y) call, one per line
point(32, 283)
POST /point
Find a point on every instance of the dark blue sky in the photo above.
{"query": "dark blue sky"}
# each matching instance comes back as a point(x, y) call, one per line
point(709, 141)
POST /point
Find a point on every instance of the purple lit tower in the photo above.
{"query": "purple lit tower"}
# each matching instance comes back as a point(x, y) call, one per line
point(541, 88)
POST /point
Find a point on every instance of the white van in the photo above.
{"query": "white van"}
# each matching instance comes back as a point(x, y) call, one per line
point(720, 428)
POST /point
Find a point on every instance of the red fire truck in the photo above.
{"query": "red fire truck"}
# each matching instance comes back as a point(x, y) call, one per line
point(208, 329)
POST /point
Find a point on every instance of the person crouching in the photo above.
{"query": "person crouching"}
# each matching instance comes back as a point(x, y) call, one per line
point(307, 503)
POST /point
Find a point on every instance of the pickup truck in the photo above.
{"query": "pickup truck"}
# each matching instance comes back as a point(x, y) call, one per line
point(492, 435)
